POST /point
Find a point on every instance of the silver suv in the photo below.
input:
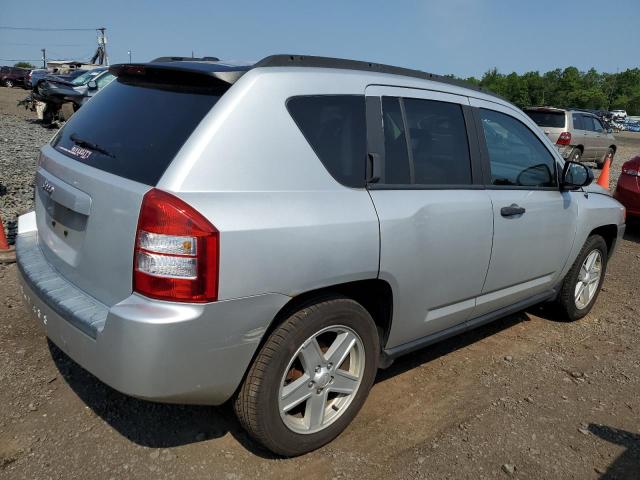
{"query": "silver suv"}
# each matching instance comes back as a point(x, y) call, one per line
point(274, 233)
point(578, 135)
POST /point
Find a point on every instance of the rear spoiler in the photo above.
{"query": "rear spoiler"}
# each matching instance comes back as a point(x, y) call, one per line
point(184, 59)
point(178, 71)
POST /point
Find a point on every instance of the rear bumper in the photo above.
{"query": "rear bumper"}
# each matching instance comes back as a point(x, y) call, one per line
point(161, 351)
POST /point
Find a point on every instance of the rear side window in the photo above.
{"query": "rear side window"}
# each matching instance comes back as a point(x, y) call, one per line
point(396, 156)
point(437, 150)
point(578, 124)
point(587, 122)
point(438, 142)
point(517, 156)
point(335, 127)
point(134, 130)
point(547, 119)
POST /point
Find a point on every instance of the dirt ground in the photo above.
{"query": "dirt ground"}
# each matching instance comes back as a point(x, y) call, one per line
point(529, 396)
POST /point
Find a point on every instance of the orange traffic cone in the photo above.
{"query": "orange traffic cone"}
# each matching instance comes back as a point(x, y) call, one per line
point(7, 254)
point(603, 179)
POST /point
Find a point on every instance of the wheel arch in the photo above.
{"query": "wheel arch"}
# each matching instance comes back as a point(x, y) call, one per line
point(609, 233)
point(375, 295)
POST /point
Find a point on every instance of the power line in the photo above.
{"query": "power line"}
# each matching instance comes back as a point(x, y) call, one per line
point(38, 29)
point(51, 44)
point(20, 59)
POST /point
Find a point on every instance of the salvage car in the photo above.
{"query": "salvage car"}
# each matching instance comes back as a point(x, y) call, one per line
point(579, 135)
point(628, 187)
point(273, 233)
point(54, 92)
point(34, 76)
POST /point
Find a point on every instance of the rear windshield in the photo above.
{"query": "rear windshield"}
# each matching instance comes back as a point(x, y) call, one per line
point(134, 130)
point(547, 119)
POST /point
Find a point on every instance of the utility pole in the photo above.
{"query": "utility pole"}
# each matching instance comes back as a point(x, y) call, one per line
point(102, 42)
point(129, 52)
point(44, 57)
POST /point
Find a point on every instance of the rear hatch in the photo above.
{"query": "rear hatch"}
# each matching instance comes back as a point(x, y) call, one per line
point(551, 121)
point(93, 175)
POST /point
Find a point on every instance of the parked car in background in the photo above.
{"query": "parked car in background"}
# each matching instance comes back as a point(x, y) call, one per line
point(13, 76)
point(272, 233)
point(628, 188)
point(34, 75)
point(619, 114)
point(579, 135)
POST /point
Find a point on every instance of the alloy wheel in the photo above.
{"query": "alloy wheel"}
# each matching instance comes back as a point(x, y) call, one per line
point(588, 279)
point(321, 379)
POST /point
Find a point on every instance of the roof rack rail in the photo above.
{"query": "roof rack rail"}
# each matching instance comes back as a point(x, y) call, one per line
point(283, 60)
point(184, 59)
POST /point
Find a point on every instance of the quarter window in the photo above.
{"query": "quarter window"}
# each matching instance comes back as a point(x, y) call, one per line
point(334, 126)
point(425, 142)
point(516, 155)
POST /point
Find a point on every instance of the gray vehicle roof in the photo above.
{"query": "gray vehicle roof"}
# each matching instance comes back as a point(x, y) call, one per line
point(232, 71)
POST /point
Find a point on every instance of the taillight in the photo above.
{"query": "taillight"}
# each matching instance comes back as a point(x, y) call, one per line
point(564, 139)
point(176, 252)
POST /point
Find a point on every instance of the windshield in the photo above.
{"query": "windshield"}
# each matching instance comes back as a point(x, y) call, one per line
point(85, 77)
point(547, 118)
point(134, 130)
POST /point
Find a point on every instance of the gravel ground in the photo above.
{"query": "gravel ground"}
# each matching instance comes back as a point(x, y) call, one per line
point(529, 396)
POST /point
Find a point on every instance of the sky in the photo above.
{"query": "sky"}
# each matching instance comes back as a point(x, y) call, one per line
point(460, 37)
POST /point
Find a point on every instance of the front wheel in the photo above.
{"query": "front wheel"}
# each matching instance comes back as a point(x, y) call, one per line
point(582, 284)
point(310, 378)
point(575, 155)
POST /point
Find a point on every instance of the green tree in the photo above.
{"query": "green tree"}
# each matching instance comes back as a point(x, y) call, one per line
point(567, 88)
point(24, 65)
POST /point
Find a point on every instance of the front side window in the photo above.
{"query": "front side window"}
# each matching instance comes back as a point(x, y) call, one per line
point(335, 127)
point(517, 157)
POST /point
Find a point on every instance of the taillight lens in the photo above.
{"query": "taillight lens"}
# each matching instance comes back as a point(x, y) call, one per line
point(176, 252)
point(564, 139)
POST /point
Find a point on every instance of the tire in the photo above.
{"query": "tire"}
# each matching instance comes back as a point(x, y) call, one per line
point(8, 83)
point(281, 358)
point(575, 155)
point(610, 154)
point(567, 301)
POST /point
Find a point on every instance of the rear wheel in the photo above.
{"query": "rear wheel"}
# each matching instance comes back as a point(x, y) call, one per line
point(8, 83)
point(575, 155)
point(609, 155)
point(310, 378)
point(582, 284)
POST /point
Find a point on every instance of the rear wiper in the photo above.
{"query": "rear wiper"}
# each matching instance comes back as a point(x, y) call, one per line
point(91, 146)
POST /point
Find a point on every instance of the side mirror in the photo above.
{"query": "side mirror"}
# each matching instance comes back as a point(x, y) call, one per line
point(576, 175)
point(92, 85)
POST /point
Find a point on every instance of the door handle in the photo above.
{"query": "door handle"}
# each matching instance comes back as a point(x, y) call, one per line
point(512, 210)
